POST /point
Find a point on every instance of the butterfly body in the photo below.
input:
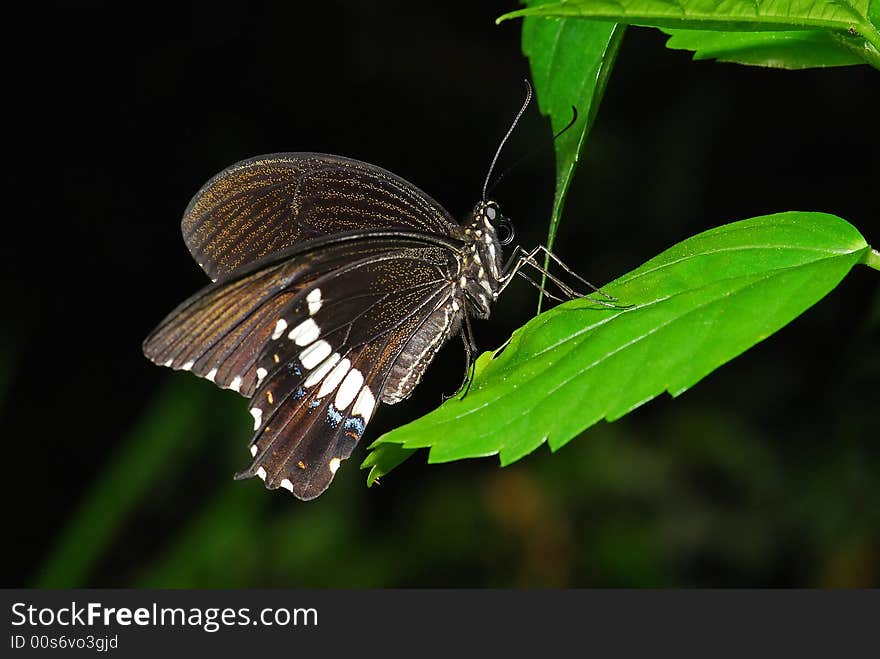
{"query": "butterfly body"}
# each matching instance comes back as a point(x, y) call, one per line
point(335, 283)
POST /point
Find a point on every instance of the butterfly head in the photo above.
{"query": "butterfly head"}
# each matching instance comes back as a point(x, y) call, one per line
point(502, 224)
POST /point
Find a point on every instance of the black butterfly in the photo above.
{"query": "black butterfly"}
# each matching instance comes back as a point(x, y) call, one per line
point(335, 284)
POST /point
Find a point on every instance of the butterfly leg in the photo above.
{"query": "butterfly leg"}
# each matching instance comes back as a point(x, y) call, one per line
point(562, 265)
point(539, 288)
point(470, 349)
point(521, 257)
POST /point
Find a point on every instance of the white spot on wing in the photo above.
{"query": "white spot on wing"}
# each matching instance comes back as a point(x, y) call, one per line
point(254, 450)
point(315, 301)
point(210, 376)
point(349, 389)
point(364, 404)
point(169, 362)
point(287, 485)
point(304, 333)
point(334, 378)
point(261, 473)
point(318, 374)
point(280, 326)
point(315, 354)
point(235, 385)
point(334, 465)
point(257, 413)
point(261, 373)
point(187, 366)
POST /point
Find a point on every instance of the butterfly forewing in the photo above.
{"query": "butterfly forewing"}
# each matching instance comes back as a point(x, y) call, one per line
point(268, 204)
point(219, 332)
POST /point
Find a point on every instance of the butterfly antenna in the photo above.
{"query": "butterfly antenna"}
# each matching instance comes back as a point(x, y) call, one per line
point(572, 122)
point(507, 135)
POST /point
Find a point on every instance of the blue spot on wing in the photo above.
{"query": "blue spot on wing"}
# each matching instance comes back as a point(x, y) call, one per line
point(356, 425)
point(333, 416)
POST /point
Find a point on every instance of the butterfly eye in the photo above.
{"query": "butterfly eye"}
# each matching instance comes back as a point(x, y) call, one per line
point(490, 213)
point(506, 232)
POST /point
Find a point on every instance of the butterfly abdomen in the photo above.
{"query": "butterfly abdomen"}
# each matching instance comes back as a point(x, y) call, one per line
point(420, 350)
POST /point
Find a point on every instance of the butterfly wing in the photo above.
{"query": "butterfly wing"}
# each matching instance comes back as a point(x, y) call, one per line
point(320, 378)
point(270, 203)
point(220, 331)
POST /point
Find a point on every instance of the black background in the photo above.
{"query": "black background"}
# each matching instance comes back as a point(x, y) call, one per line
point(118, 114)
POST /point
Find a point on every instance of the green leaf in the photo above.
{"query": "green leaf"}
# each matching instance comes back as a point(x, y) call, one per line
point(571, 62)
point(694, 307)
point(797, 49)
point(384, 459)
point(853, 21)
point(711, 14)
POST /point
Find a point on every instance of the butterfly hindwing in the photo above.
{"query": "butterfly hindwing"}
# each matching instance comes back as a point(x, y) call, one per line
point(302, 442)
point(322, 373)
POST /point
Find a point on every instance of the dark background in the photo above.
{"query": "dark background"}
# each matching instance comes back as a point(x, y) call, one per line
point(118, 473)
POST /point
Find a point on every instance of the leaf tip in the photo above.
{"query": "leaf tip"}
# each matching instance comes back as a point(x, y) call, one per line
point(509, 16)
point(373, 476)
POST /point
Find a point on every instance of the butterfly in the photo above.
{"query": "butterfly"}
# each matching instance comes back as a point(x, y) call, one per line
point(334, 285)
